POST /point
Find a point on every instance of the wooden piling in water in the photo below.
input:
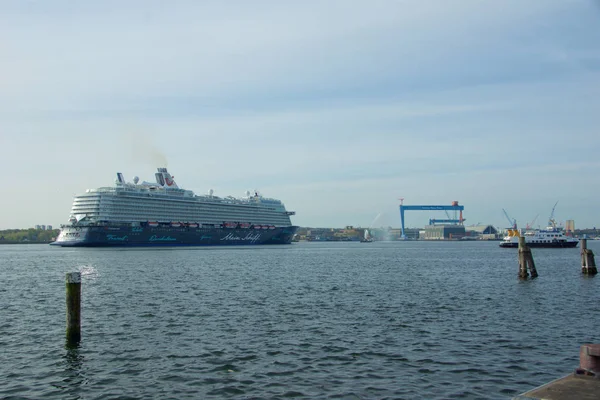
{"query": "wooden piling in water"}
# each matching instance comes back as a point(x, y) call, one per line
point(73, 290)
point(588, 263)
point(526, 260)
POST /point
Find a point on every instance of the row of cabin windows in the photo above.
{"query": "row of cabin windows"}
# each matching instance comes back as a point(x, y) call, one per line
point(174, 213)
point(193, 210)
point(134, 209)
point(169, 203)
point(147, 199)
point(123, 216)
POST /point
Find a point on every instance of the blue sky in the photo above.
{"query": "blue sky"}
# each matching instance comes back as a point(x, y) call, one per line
point(337, 108)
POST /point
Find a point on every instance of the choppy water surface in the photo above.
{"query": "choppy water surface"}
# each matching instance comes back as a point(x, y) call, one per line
point(319, 320)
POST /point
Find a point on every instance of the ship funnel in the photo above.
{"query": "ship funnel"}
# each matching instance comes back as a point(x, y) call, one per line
point(159, 179)
point(163, 178)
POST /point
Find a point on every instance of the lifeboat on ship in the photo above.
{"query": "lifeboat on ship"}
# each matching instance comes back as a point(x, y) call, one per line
point(193, 225)
point(230, 225)
point(244, 225)
point(257, 227)
point(271, 226)
point(175, 224)
point(152, 224)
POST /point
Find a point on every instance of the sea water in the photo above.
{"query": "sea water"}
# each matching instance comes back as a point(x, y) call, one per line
point(315, 320)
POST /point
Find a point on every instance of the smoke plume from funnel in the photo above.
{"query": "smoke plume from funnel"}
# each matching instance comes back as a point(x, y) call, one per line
point(145, 151)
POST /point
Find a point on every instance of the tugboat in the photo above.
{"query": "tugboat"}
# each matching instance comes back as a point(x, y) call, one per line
point(367, 237)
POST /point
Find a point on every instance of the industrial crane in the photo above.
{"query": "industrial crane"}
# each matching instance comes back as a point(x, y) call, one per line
point(450, 220)
point(530, 224)
point(512, 222)
point(551, 221)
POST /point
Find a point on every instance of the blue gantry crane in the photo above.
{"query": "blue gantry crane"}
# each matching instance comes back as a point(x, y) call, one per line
point(433, 221)
point(453, 207)
point(448, 220)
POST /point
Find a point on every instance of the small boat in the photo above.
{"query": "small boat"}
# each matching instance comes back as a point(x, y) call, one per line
point(257, 227)
point(193, 225)
point(175, 224)
point(230, 225)
point(366, 238)
point(244, 225)
point(153, 224)
point(265, 226)
point(271, 226)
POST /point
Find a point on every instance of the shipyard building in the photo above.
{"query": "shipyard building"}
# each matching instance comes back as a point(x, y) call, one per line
point(442, 232)
point(483, 232)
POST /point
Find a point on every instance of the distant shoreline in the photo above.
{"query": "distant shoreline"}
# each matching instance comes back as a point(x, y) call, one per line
point(23, 242)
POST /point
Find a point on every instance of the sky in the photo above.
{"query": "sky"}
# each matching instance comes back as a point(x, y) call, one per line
point(338, 108)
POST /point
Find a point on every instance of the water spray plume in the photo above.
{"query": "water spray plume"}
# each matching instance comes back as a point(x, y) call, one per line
point(375, 220)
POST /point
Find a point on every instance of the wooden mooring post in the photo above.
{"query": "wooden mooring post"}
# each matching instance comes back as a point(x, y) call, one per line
point(73, 284)
point(525, 260)
point(588, 263)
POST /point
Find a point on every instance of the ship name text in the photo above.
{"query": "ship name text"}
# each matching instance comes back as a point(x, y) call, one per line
point(249, 237)
point(117, 238)
point(155, 238)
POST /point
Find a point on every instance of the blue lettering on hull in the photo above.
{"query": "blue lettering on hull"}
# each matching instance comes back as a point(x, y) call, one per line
point(116, 238)
point(155, 238)
point(146, 236)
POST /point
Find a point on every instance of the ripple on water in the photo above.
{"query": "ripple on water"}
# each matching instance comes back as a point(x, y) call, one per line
point(333, 320)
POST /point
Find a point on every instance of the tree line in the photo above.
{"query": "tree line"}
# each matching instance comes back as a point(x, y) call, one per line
point(28, 235)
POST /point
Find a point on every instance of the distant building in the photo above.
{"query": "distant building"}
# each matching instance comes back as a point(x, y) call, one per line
point(412, 233)
point(38, 227)
point(443, 232)
point(49, 227)
point(43, 227)
point(396, 234)
point(482, 231)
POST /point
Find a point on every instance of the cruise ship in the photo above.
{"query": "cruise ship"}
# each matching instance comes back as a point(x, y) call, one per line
point(163, 214)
